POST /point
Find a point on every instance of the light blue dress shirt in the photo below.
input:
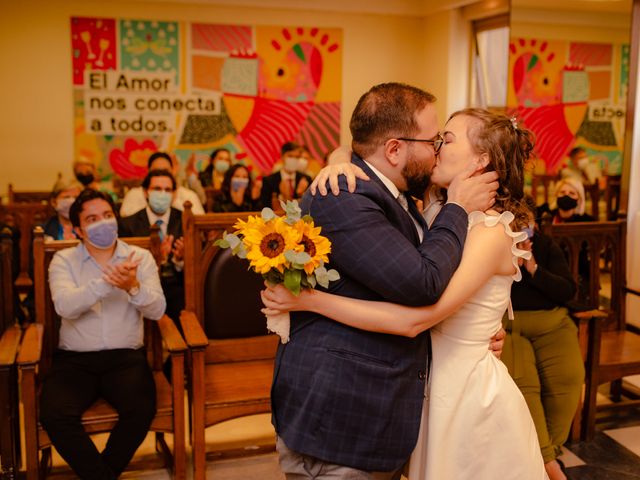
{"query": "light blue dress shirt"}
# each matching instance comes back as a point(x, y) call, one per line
point(95, 314)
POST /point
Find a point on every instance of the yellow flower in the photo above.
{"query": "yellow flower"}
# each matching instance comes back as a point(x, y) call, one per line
point(317, 246)
point(266, 243)
point(252, 222)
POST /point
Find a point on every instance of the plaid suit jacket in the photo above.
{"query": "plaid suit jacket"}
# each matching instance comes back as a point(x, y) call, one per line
point(352, 397)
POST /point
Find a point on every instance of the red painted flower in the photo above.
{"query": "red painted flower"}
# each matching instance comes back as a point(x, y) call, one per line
point(132, 161)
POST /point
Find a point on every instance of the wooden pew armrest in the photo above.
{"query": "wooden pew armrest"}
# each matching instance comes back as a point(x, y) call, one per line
point(171, 336)
point(9, 344)
point(589, 314)
point(31, 348)
point(193, 332)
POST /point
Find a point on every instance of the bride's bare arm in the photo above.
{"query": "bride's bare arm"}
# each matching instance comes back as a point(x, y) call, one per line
point(487, 252)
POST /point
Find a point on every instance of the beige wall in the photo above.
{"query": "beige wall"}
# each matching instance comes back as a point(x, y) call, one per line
point(596, 27)
point(35, 60)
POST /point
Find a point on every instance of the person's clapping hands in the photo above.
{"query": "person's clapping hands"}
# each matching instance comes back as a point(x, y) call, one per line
point(530, 264)
point(178, 249)
point(303, 184)
point(165, 247)
point(123, 275)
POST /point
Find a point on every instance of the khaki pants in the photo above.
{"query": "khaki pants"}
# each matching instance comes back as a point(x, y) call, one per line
point(543, 356)
point(297, 466)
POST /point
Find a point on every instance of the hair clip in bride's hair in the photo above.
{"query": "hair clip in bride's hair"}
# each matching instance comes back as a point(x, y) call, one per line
point(514, 122)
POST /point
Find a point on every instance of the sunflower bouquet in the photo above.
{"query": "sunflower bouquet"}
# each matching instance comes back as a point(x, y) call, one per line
point(284, 249)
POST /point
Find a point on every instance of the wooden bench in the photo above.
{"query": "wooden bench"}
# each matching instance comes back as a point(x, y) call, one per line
point(611, 350)
point(231, 354)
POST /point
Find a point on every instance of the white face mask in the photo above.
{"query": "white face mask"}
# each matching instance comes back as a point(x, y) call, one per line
point(583, 162)
point(63, 205)
point(291, 164)
point(303, 163)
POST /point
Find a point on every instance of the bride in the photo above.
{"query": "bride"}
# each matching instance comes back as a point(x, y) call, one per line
point(475, 422)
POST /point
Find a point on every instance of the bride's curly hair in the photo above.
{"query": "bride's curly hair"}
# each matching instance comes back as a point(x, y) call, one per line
point(509, 147)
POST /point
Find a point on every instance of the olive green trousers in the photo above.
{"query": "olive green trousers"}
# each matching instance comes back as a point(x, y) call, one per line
point(543, 356)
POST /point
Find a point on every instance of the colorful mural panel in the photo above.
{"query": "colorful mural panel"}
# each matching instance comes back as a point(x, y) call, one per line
point(189, 88)
point(570, 94)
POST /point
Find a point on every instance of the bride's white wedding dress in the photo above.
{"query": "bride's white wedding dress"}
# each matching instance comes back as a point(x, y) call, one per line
point(475, 422)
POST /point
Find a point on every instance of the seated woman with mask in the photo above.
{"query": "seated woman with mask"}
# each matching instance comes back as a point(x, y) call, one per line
point(237, 192)
point(570, 203)
point(64, 193)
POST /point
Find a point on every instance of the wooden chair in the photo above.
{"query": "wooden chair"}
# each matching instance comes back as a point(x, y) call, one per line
point(11, 334)
point(612, 196)
point(544, 181)
point(7, 318)
point(231, 354)
point(612, 351)
point(34, 359)
point(24, 217)
point(28, 196)
point(592, 194)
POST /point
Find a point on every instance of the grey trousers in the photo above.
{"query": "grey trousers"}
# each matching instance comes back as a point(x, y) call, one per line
point(297, 466)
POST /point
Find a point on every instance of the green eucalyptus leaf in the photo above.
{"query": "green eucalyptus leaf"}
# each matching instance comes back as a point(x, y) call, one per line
point(222, 243)
point(233, 240)
point(333, 275)
point(292, 280)
point(292, 211)
point(311, 280)
point(267, 214)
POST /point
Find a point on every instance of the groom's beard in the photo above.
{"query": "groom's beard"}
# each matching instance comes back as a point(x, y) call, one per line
point(417, 177)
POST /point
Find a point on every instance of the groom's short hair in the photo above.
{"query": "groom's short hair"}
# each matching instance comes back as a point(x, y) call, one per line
point(386, 111)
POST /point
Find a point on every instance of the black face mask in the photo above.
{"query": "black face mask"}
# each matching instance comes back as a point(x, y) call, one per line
point(567, 203)
point(85, 178)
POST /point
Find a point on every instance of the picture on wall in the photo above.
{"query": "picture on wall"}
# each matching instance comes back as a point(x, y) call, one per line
point(189, 88)
point(570, 94)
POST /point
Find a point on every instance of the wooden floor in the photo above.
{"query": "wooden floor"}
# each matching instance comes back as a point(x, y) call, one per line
point(614, 454)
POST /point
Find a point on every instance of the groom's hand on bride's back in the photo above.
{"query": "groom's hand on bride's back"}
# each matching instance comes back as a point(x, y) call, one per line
point(473, 190)
point(496, 344)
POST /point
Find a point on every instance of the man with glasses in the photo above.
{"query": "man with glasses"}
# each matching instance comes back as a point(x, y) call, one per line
point(347, 403)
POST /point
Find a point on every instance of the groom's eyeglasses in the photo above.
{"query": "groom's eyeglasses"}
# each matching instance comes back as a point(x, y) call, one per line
point(436, 142)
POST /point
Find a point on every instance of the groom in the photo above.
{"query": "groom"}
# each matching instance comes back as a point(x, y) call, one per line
point(347, 403)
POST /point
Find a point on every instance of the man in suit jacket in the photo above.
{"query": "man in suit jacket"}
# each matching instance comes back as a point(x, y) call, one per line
point(159, 189)
point(347, 402)
point(287, 183)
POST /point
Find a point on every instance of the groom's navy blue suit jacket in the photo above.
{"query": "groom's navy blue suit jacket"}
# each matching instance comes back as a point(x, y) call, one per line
point(352, 397)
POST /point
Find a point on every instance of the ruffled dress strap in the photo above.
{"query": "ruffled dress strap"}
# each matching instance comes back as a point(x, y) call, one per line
point(505, 219)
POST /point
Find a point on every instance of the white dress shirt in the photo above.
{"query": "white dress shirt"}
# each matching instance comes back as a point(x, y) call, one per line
point(396, 194)
point(95, 314)
point(134, 201)
point(154, 217)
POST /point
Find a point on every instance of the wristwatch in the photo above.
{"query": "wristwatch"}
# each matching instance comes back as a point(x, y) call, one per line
point(133, 291)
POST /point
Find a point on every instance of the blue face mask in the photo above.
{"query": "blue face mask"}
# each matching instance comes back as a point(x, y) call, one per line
point(160, 201)
point(238, 183)
point(102, 234)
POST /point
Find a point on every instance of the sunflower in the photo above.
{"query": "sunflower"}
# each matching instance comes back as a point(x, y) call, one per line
point(317, 246)
point(266, 243)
